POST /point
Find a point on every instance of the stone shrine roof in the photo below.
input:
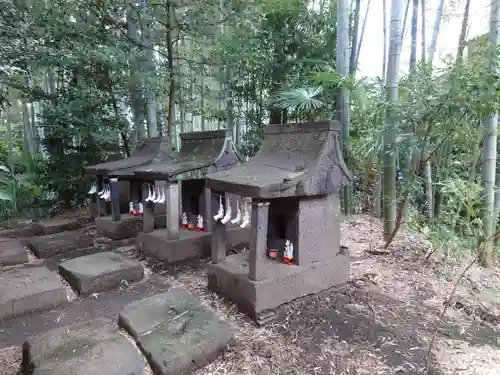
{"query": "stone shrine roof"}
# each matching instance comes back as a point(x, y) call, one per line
point(301, 159)
point(144, 154)
point(200, 153)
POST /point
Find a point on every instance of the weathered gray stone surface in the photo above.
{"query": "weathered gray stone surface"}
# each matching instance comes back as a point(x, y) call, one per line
point(190, 245)
point(176, 333)
point(24, 289)
point(12, 252)
point(102, 271)
point(52, 244)
point(282, 283)
point(127, 227)
point(56, 225)
point(95, 347)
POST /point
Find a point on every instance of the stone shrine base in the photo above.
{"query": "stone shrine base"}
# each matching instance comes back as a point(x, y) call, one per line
point(127, 227)
point(190, 245)
point(283, 283)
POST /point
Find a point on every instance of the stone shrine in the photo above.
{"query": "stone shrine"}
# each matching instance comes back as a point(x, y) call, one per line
point(115, 181)
point(176, 181)
point(293, 182)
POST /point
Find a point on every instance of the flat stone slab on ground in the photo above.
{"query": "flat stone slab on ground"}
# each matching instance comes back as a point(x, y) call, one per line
point(98, 272)
point(94, 347)
point(52, 244)
point(12, 252)
point(127, 227)
point(56, 225)
point(176, 332)
point(28, 288)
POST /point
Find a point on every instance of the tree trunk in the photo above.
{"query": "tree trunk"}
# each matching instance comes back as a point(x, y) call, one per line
point(405, 19)
point(462, 41)
point(149, 38)
point(363, 28)
point(343, 101)
point(392, 85)
point(384, 25)
point(353, 63)
point(181, 49)
point(422, 32)
point(170, 62)
point(135, 96)
point(414, 30)
point(490, 147)
point(435, 32)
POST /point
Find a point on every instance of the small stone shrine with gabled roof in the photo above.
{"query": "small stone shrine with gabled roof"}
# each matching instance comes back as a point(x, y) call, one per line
point(112, 179)
point(293, 183)
point(178, 181)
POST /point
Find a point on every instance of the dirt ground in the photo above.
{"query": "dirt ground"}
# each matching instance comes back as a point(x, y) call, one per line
point(380, 323)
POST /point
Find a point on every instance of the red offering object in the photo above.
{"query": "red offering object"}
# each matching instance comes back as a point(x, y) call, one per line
point(184, 225)
point(200, 229)
point(272, 253)
point(190, 226)
point(287, 260)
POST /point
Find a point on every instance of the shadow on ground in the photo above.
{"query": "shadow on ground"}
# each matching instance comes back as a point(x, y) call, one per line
point(342, 330)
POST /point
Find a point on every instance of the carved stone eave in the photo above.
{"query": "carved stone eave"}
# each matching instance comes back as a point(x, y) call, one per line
point(295, 160)
point(200, 153)
point(143, 155)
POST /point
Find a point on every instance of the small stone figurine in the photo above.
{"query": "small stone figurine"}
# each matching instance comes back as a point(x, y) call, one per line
point(140, 209)
point(184, 220)
point(131, 208)
point(288, 253)
point(199, 224)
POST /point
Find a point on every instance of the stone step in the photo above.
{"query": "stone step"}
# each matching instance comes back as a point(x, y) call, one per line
point(106, 304)
point(50, 245)
point(28, 288)
point(57, 225)
point(127, 227)
point(12, 252)
point(176, 333)
point(95, 347)
point(95, 273)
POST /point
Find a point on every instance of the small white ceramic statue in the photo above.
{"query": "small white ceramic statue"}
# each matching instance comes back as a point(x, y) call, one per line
point(287, 249)
point(199, 224)
point(184, 219)
point(140, 209)
point(131, 209)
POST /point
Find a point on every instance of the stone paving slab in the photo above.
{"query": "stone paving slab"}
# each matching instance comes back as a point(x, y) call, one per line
point(95, 347)
point(52, 244)
point(176, 332)
point(12, 252)
point(127, 227)
point(98, 272)
point(56, 225)
point(28, 288)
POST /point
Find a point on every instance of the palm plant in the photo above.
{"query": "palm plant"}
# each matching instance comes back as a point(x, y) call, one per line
point(302, 102)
